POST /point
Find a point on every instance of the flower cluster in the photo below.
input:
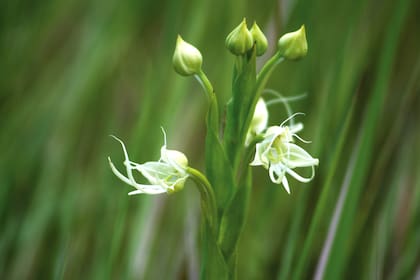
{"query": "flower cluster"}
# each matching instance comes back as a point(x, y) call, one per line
point(277, 151)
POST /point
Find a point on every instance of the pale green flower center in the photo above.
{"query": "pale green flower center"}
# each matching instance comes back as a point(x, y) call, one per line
point(277, 150)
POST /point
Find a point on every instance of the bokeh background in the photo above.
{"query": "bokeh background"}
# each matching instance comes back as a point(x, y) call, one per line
point(73, 72)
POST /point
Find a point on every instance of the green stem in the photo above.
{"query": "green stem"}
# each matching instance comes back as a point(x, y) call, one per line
point(266, 71)
point(208, 199)
point(213, 115)
point(261, 82)
point(205, 83)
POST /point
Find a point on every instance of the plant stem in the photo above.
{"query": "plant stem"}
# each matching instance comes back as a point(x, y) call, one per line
point(208, 199)
point(266, 71)
point(213, 114)
point(262, 79)
point(205, 83)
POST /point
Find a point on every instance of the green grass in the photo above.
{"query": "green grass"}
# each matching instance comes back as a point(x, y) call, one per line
point(74, 72)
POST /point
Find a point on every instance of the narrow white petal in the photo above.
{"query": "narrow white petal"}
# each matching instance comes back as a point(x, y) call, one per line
point(286, 184)
point(300, 178)
point(257, 159)
point(155, 190)
point(133, 164)
point(271, 174)
point(291, 117)
point(276, 170)
point(164, 136)
point(118, 173)
point(127, 160)
point(146, 192)
point(136, 192)
point(149, 189)
point(300, 138)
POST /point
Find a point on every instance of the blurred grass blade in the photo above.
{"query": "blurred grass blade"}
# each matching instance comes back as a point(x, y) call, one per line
point(339, 250)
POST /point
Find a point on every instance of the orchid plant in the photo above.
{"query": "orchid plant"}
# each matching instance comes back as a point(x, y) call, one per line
point(226, 183)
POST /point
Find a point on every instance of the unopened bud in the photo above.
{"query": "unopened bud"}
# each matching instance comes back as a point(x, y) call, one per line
point(259, 39)
point(293, 45)
point(187, 59)
point(240, 40)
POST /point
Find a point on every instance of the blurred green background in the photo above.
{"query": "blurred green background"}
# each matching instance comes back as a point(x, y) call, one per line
point(73, 72)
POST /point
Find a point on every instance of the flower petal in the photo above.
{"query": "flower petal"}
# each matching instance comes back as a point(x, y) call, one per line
point(285, 184)
point(259, 150)
point(298, 157)
point(149, 189)
point(118, 173)
point(276, 170)
point(300, 178)
point(127, 160)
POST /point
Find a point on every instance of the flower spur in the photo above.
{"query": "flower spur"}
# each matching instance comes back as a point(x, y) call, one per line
point(168, 174)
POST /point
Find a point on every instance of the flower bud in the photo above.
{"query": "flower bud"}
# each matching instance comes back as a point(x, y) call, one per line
point(175, 156)
point(259, 39)
point(293, 45)
point(260, 118)
point(187, 59)
point(240, 40)
point(259, 121)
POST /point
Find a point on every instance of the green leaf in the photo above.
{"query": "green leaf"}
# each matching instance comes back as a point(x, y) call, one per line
point(218, 168)
point(239, 107)
point(233, 220)
point(213, 265)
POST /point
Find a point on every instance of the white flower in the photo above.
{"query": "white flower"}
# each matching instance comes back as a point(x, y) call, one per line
point(166, 175)
point(277, 153)
point(259, 121)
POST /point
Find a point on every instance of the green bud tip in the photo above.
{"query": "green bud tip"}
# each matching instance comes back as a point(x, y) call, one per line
point(240, 40)
point(187, 59)
point(259, 39)
point(293, 45)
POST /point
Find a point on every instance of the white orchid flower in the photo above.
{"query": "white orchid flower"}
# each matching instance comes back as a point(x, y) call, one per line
point(277, 153)
point(166, 175)
point(259, 121)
